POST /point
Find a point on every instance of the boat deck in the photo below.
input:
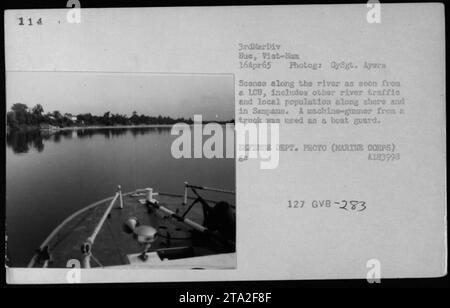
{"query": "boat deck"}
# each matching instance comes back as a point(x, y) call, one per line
point(113, 246)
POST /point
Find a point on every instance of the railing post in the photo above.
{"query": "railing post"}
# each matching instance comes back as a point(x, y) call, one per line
point(119, 190)
point(150, 195)
point(86, 261)
point(185, 193)
point(86, 250)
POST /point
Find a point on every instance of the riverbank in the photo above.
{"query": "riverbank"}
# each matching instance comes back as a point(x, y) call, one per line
point(54, 128)
point(35, 128)
point(114, 126)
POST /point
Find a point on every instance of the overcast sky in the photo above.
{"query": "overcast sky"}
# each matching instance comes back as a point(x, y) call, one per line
point(212, 96)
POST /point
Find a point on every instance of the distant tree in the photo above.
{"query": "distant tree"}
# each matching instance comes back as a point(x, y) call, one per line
point(36, 114)
point(56, 114)
point(21, 113)
point(58, 118)
point(117, 119)
point(18, 107)
point(38, 110)
point(66, 120)
point(80, 118)
point(86, 118)
point(106, 118)
point(134, 118)
point(11, 120)
point(21, 116)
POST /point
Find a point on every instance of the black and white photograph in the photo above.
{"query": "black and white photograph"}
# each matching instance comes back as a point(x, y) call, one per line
point(101, 170)
point(226, 145)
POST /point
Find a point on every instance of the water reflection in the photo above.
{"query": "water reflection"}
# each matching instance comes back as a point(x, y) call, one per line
point(23, 141)
point(52, 181)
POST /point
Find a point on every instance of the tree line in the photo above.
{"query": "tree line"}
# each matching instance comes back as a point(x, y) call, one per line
point(20, 116)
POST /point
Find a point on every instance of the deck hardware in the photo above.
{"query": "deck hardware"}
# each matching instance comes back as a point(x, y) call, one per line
point(143, 234)
point(192, 224)
point(119, 190)
point(86, 251)
point(130, 224)
point(187, 186)
point(171, 214)
point(185, 193)
point(150, 195)
point(146, 235)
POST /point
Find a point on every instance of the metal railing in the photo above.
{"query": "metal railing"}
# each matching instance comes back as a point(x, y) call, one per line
point(187, 186)
point(87, 245)
point(149, 194)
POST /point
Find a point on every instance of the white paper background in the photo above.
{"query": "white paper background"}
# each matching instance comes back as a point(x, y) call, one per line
point(405, 224)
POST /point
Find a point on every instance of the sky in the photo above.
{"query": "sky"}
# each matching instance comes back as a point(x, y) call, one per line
point(174, 95)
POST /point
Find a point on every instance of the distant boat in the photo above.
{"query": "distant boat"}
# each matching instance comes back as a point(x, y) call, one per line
point(136, 230)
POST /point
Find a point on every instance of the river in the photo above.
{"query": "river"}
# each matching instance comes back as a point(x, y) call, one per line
point(50, 175)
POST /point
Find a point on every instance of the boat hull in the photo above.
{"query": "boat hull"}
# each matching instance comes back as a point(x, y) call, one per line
point(114, 247)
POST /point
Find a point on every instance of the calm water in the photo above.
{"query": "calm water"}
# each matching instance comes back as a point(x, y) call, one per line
point(51, 175)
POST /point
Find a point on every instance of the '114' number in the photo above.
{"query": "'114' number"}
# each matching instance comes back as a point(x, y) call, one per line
point(29, 21)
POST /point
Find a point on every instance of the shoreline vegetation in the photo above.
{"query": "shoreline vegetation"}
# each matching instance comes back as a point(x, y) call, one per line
point(21, 118)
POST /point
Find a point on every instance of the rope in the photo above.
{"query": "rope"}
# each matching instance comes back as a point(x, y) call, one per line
point(225, 191)
point(96, 261)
